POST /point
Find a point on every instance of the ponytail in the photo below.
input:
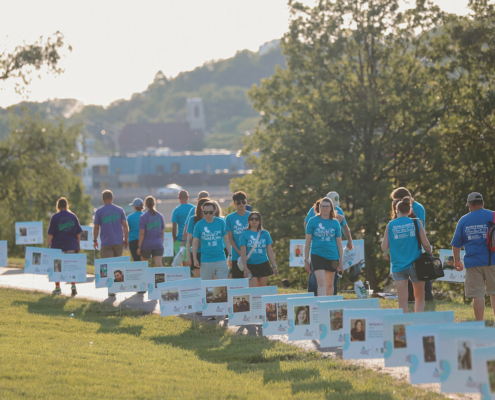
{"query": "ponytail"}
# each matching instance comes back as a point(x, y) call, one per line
point(150, 204)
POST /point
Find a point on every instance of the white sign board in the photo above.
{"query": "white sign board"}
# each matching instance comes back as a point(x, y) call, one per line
point(3, 253)
point(164, 274)
point(38, 260)
point(215, 294)
point(29, 232)
point(101, 269)
point(296, 258)
point(245, 306)
point(451, 275)
point(87, 238)
point(168, 245)
point(129, 276)
point(180, 297)
point(68, 268)
point(484, 370)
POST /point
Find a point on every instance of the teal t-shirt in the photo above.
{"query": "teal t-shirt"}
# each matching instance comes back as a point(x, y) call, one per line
point(190, 229)
point(419, 211)
point(324, 232)
point(236, 224)
point(133, 222)
point(403, 243)
point(210, 235)
point(259, 255)
point(179, 216)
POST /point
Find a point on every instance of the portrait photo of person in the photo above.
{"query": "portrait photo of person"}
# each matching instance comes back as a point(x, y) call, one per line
point(159, 278)
point(400, 341)
point(271, 312)
point(84, 236)
point(336, 319)
point(490, 366)
point(36, 258)
point(282, 311)
point(118, 275)
point(301, 315)
point(170, 295)
point(358, 330)
point(429, 350)
point(448, 262)
point(22, 231)
point(464, 355)
point(103, 270)
point(57, 265)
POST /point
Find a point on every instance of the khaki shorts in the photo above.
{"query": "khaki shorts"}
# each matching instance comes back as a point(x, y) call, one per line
point(476, 280)
point(111, 251)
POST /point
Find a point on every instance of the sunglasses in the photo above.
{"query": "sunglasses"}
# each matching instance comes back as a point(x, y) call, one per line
point(208, 212)
point(239, 202)
point(253, 219)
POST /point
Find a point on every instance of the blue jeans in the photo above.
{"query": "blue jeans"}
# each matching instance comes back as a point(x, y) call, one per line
point(313, 284)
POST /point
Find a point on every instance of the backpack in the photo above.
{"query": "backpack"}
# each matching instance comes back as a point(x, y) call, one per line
point(490, 238)
point(428, 267)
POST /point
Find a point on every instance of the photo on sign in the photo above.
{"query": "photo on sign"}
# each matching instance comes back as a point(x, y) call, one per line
point(271, 311)
point(490, 366)
point(36, 258)
point(429, 349)
point(118, 276)
point(216, 294)
point(298, 250)
point(336, 319)
point(159, 278)
point(170, 294)
point(57, 265)
point(103, 271)
point(358, 330)
point(301, 315)
point(84, 236)
point(23, 232)
point(464, 358)
point(242, 304)
point(400, 341)
point(448, 262)
point(282, 311)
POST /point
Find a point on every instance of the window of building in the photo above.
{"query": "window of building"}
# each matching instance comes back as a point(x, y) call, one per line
point(117, 170)
point(175, 168)
point(103, 169)
point(103, 185)
point(196, 112)
point(160, 169)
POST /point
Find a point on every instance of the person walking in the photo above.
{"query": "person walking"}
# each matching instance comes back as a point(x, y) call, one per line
point(151, 233)
point(201, 195)
point(257, 242)
point(198, 216)
point(179, 221)
point(324, 239)
point(211, 234)
point(236, 223)
point(64, 233)
point(471, 233)
point(111, 223)
point(400, 238)
point(133, 222)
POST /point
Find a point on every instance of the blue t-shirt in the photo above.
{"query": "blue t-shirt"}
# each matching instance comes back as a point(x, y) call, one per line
point(259, 255)
point(133, 222)
point(324, 232)
point(236, 224)
point(311, 214)
point(210, 235)
point(179, 216)
point(190, 229)
point(64, 227)
point(419, 211)
point(403, 243)
point(110, 218)
point(153, 226)
point(471, 232)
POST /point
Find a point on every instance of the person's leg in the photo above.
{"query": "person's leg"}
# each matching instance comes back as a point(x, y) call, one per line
point(118, 249)
point(330, 280)
point(312, 283)
point(419, 295)
point(158, 261)
point(474, 286)
point(207, 271)
point(221, 270)
point(57, 288)
point(106, 252)
point(263, 281)
point(322, 283)
point(402, 294)
point(133, 245)
point(236, 272)
point(428, 291)
point(410, 291)
point(336, 284)
point(479, 308)
point(253, 282)
point(176, 246)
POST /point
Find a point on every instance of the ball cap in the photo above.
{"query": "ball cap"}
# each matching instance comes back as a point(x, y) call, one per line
point(137, 202)
point(474, 196)
point(334, 196)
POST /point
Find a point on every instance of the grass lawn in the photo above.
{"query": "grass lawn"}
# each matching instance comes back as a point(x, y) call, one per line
point(98, 354)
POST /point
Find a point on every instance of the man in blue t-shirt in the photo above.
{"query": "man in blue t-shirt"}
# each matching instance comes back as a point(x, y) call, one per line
point(471, 233)
point(237, 222)
point(179, 221)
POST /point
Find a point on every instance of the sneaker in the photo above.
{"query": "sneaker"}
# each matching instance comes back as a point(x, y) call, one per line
point(74, 291)
point(57, 290)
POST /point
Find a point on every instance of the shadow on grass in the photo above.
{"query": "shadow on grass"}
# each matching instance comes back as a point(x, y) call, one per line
point(102, 313)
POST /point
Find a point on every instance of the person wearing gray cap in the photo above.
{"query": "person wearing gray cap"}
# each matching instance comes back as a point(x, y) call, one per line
point(471, 233)
point(133, 221)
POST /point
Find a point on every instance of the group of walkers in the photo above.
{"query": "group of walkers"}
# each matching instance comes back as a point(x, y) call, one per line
point(213, 242)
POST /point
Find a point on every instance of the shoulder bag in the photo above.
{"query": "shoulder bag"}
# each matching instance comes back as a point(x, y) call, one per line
point(240, 265)
point(427, 266)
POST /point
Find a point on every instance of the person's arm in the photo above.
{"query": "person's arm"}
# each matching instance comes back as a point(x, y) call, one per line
point(424, 239)
point(305, 225)
point(195, 252)
point(188, 248)
point(140, 241)
point(456, 251)
point(49, 240)
point(227, 244)
point(385, 243)
point(347, 233)
point(232, 242)
point(96, 231)
point(271, 256)
point(341, 254)
point(125, 228)
point(340, 218)
point(174, 231)
point(78, 242)
point(184, 237)
point(163, 235)
point(306, 252)
point(244, 261)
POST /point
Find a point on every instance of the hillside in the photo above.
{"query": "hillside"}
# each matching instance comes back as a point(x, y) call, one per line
point(222, 85)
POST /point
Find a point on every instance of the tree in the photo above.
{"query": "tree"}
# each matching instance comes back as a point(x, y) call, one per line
point(356, 111)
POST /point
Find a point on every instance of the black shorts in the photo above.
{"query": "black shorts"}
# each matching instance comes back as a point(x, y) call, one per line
point(261, 270)
point(236, 272)
point(198, 255)
point(320, 263)
point(152, 253)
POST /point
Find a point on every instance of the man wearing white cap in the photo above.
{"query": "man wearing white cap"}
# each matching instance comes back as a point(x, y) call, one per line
point(471, 232)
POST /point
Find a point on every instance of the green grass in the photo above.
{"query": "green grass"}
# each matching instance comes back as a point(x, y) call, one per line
point(99, 354)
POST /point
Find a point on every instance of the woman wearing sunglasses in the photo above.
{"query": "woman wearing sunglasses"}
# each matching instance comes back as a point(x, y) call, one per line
point(258, 243)
point(191, 223)
point(324, 239)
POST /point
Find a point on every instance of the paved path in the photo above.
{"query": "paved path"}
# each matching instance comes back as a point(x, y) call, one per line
point(16, 278)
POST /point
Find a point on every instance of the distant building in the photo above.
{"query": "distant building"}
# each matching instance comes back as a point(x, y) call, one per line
point(96, 166)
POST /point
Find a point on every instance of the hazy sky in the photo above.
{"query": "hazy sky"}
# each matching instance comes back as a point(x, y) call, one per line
point(118, 46)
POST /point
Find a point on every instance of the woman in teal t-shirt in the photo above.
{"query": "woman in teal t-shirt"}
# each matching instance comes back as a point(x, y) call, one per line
point(324, 238)
point(257, 265)
point(400, 238)
point(196, 217)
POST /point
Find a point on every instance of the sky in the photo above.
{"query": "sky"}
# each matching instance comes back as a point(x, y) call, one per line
point(119, 46)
